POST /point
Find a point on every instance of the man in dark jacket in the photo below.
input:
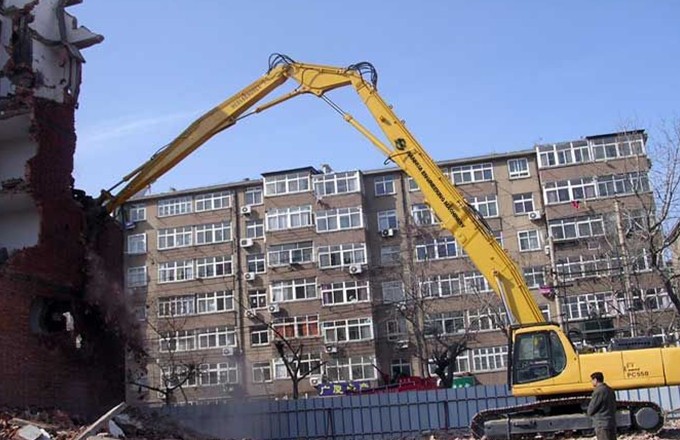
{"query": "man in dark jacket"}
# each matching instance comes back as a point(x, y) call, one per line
point(602, 408)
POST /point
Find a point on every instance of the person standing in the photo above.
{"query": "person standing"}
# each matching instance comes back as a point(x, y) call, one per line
point(602, 408)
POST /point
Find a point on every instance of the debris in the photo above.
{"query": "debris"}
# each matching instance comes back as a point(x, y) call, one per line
point(31, 432)
point(96, 426)
point(115, 430)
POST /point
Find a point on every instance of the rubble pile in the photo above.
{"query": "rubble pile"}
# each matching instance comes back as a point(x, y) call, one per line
point(130, 423)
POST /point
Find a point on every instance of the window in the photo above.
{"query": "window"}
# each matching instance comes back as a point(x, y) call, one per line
point(436, 249)
point(254, 229)
point(290, 253)
point(586, 306)
point(136, 244)
point(441, 286)
point(342, 255)
point(212, 201)
point(344, 292)
point(387, 219)
point(538, 356)
point(253, 196)
point(256, 263)
point(213, 233)
point(474, 282)
point(489, 358)
point(400, 367)
point(412, 185)
point(218, 374)
point(472, 173)
point(348, 330)
point(576, 228)
point(173, 376)
point(286, 184)
point(174, 271)
point(216, 337)
point(462, 364)
point(522, 203)
point(211, 267)
point(568, 190)
point(352, 368)
point(613, 148)
point(447, 323)
point(534, 277)
point(545, 311)
point(384, 185)
point(618, 184)
point(563, 154)
point(309, 363)
point(486, 319)
point(179, 341)
point(293, 290)
point(289, 218)
point(176, 206)
point(390, 255)
point(486, 206)
point(174, 237)
point(518, 168)
point(396, 329)
point(423, 215)
point(214, 302)
point(136, 276)
point(339, 219)
point(176, 306)
point(647, 299)
point(136, 213)
point(392, 291)
point(529, 240)
point(259, 335)
point(296, 326)
point(257, 299)
point(336, 183)
point(580, 266)
point(262, 372)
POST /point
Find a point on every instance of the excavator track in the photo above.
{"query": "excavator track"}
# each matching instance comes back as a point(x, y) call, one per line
point(560, 418)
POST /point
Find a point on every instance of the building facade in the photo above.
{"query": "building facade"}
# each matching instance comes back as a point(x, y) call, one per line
point(349, 276)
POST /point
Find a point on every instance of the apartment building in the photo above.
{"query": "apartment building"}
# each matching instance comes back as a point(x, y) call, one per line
point(350, 274)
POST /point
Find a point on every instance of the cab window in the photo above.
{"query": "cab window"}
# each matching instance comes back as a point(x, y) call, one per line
point(537, 356)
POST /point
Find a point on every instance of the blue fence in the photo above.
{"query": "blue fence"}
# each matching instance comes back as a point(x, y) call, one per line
point(373, 416)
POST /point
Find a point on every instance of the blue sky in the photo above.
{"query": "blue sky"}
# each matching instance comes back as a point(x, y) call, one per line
point(469, 78)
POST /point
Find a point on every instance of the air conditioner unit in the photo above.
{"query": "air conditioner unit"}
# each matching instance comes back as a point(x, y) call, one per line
point(547, 250)
point(249, 276)
point(251, 313)
point(246, 242)
point(331, 349)
point(401, 306)
point(129, 225)
point(355, 269)
point(245, 210)
point(385, 233)
point(315, 380)
point(401, 344)
point(535, 215)
point(228, 351)
point(274, 308)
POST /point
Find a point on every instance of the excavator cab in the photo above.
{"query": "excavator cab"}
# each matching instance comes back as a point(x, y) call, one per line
point(537, 356)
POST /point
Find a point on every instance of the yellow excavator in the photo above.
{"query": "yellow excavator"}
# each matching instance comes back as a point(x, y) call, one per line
point(542, 361)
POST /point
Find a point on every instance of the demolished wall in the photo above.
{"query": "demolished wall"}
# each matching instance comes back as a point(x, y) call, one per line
point(60, 266)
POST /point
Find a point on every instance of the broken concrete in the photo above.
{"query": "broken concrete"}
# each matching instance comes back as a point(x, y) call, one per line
point(60, 269)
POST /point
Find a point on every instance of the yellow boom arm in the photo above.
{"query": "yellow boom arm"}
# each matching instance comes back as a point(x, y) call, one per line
point(403, 149)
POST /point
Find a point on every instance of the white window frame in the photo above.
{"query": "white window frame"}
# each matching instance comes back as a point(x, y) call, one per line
point(486, 206)
point(347, 330)
point(136, 244)
point(173, 306)
point(173, 238)
point(384, 186)
point(442, 286)
point(564, 191)
point(256, 263)
point(474, 282)
point(447, 323)
point(255, 229)
point(212, 201)
point(257, 299)
point(525, 204)
point(401, 366)
point(222, 373)
point(489, 358)
point(216, 337)
point(518, 168)
point(576, 228)
point(136, 276)
point(262, 370)
point(291, 183)
point(281, 219)
point(388, 219)
point(340, 219)
point(136, 213)
point(437, 248)
point(214, 302)
point(300, 289)
point(253, 196)
point(174, 206)
point(423, 215)
point(215, 266)
point(261, 333)
point(212, 233)
point(341, 255)
point(296, 327)
point(529, 240)
point(344, 292)
point(558, 155)
point(175, 271)
point(534, 276)
point(463, 174)
point(336, 183)
point(311, 362)
point(285, 254)
point(344, 369)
